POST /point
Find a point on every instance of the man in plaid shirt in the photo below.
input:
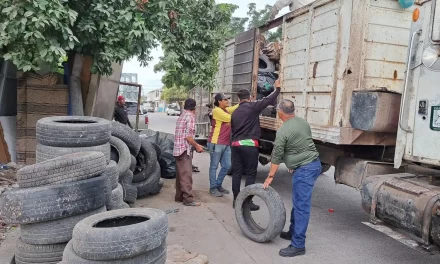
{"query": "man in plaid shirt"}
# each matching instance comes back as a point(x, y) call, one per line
point(183, 144)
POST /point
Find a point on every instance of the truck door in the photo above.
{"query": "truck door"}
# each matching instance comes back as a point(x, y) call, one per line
point(419, 124)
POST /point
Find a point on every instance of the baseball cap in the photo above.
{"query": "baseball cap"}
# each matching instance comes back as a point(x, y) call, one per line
point(190, 104)
point(243, 94)
point(220, 97)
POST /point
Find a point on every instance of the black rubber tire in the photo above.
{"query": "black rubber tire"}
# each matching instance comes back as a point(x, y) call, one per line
point(73, 131)
point(123, 158)
point(53, 232)
point(93, 240)
point(111, 171)
point(44, 254)
point(155, 256)
point(44, 153)
point(270, 65)
point(130, 193)
point(122, 205)
point(69, 168)
point(158, 188)
point(127, 177)
point(325, 167)
point(150, 185)
point(41, 204)
point(126, 134)
point(133, 163)
point(277, 213)
point(116, 198)
point(150, 157)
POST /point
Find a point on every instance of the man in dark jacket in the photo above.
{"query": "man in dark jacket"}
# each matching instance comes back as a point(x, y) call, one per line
point(246, 133)
point(120, 114)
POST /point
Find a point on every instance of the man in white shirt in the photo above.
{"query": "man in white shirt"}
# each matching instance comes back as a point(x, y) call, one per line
point(293, 4)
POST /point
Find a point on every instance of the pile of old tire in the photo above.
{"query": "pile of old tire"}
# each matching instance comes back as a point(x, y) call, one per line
point(52, 197)
point(127, 236)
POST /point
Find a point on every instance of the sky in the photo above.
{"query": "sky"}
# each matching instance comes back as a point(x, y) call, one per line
point(151, 80)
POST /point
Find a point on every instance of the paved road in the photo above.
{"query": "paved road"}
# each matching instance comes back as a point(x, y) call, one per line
point(338, 237)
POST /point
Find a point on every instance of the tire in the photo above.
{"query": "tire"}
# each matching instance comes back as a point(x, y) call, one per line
point(127, 177)
point(53, 232)
point(133, 163)
point(158, 188)
point(148, 230)
point(73, 131)
point(155, 256)
point(111, 171)
point(128, 136)
point(44, 153)
point(69, 168)
point(277, 213)
point(116, 198)
point(122, 205)
point(129, 193)
point(150, 158)
point(269, 66)
point(150, 185)
point(120, 154)
point(325, 167)
point(41, 204)
point(44, 254)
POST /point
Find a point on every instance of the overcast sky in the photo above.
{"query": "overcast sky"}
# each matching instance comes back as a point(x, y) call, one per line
point(150, 80)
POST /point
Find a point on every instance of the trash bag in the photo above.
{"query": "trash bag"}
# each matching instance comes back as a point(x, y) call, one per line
point(168, 165)
point(265, 84)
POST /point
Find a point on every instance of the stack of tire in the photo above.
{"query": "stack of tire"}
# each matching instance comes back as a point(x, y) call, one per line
point(129, 236)
point(52, 197)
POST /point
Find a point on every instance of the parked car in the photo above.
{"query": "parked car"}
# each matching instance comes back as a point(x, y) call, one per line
point(143, 116)
point(149, 109)
point(173, 110)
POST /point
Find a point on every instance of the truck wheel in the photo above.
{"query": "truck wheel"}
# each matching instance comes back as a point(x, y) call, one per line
point(47, 254)
point(128, 136)
point(120, 234)
point(73, 131)
point(121, 154)
point(69, 168)
point(53, 232)
point(277, 213)
point(44, 153)
point(47, 203)
point(325, 167)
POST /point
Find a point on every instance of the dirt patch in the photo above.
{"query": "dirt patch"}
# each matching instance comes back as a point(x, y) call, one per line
point(176, 254)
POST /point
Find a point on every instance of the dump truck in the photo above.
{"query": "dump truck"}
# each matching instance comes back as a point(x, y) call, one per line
point(364, 74)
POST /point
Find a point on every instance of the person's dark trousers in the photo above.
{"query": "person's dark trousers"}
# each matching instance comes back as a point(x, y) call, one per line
point(303, 180)
point(184, 179)
point(244, 162)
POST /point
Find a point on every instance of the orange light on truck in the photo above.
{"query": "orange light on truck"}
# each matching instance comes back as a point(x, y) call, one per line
point(416, 15)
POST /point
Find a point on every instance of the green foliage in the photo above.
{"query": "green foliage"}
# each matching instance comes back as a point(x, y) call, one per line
point(174, 94)
point(258, 18)
point(236, 27)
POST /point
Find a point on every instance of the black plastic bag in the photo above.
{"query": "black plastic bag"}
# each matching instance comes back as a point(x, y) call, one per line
point(265, 84)
point(168, 165)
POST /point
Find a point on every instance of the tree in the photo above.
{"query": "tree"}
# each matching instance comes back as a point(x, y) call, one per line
point(174, 94)
point(39, 32)
point(236, 27)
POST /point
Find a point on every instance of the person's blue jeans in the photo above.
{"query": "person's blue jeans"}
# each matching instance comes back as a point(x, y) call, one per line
point(220, 154)
point(303, 180)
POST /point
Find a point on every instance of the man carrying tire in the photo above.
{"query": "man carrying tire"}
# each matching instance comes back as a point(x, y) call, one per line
point(295, 147)
point(120, 115)
point(219, 144)
point(183, 144)
point(246, 133)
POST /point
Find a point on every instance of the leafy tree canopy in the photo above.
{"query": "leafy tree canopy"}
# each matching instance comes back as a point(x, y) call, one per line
point(174, 94)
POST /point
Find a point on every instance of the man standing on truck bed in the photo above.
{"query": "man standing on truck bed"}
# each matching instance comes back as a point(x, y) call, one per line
point(246, 133)
point(295, 147)
point(120, 115)
point(219, 144)
point(293, 5)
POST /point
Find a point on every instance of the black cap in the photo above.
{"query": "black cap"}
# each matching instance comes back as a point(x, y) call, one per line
point(190, 104)
point(220, 97)
point(243, 94)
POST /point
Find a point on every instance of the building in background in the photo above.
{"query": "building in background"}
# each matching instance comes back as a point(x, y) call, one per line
point(129, 92)
point(153, 97)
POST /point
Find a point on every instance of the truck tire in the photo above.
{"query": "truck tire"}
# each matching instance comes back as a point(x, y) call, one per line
point(155, 256)
point(325, 167)
point(130, 193)
point(116, 198)
point(121, 154)
point(265, 64)
point(126, 134)
point(53, 232)
point(111, 171)
point(127, 177)
point(44, 153)
point(69, 168)
point(150, 185)
point(73, 131)
point(147, 230)
point(47, 203)
point(133, 163)
point(150, 157)
point(44, 254)
point(277, 213)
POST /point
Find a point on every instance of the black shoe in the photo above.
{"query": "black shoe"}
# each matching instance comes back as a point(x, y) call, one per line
point(254, 207)
point(286, 236)
point(223, 190)
point(291, 251)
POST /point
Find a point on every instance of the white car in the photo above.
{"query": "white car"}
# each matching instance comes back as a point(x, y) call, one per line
point(143, 116)
point(173, 110)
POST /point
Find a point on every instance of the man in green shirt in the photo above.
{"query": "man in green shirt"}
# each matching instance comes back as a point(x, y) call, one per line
point(295, 147)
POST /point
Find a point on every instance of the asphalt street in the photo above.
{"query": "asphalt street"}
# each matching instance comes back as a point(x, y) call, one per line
point(336, 232)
